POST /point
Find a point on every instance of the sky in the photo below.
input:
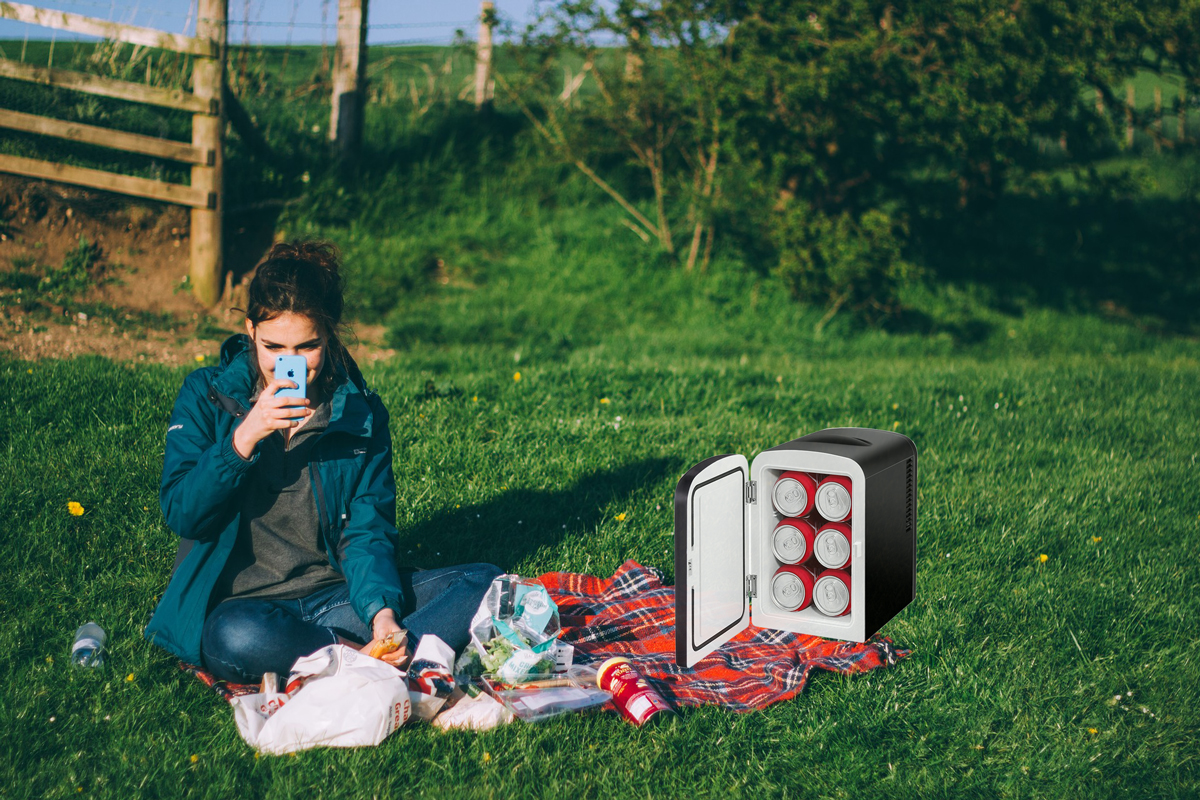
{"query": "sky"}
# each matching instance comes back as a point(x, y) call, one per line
point(274, 21)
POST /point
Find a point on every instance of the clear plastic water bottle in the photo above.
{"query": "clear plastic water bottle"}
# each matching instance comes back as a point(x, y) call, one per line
point(88, 650)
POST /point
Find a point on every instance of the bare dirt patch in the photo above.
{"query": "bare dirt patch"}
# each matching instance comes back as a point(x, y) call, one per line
point(133, 303)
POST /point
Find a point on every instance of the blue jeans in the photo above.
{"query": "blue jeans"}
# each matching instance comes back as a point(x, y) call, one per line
point(244, 638)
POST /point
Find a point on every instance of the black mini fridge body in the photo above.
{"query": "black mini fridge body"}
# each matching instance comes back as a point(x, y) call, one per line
point(725, 518)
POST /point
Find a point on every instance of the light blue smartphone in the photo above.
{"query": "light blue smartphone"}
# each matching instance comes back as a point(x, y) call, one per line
point(292, 368)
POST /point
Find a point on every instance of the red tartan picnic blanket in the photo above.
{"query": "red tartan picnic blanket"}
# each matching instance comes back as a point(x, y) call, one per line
point(632, 614)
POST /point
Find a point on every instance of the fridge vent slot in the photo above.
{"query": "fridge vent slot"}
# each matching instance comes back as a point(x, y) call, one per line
point(908, 493)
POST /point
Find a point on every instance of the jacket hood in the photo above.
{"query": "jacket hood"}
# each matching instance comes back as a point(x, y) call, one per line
point(237, 378)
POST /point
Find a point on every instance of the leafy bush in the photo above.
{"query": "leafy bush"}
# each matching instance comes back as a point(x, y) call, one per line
point(844, 261)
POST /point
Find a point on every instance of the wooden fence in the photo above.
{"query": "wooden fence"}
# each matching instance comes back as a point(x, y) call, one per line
point(204, 153)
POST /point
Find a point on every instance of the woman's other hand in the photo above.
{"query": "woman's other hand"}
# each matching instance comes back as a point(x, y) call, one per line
point(269, 414)
point(383, 624)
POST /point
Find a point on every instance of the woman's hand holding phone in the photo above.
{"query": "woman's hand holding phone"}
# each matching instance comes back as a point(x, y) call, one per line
point(270, 414)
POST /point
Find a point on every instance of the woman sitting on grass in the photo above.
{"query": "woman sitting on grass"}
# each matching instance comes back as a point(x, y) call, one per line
point(287, 515)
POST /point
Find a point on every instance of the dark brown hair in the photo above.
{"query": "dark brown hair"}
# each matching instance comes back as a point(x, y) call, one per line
point(304, 278)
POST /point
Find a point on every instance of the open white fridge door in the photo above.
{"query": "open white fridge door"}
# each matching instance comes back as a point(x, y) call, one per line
point(711, 558)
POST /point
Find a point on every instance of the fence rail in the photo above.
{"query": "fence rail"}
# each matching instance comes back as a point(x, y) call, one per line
point(183, 152)
point(90, 26)
point(106, 87)
point(176, 193)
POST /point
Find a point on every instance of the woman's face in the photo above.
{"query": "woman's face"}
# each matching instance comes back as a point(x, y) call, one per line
point(288, 334)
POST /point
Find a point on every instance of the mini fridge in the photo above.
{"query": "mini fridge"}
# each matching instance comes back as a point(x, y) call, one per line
point(843, 501)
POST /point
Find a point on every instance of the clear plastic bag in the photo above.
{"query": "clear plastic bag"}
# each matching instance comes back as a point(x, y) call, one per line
point(514, 634)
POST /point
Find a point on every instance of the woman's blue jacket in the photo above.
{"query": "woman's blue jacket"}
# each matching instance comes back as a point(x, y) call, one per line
point(352, 479)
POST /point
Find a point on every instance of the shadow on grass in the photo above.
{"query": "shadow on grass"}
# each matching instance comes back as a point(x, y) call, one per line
point(1109, 249)
point(519, 523)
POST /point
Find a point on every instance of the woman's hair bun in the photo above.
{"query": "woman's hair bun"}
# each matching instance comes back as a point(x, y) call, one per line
point(305, 278)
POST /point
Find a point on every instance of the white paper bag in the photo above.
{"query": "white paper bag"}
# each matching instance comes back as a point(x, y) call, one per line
point(348, 700)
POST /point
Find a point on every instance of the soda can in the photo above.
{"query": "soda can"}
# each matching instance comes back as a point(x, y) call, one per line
point(793, 494)
point(832, 545)
point(637, 701)
point(831, 593)
point(792, 587)
point(833, 498)
point(792, 541)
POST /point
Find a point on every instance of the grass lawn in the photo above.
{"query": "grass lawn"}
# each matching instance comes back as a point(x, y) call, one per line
point(1028, 677)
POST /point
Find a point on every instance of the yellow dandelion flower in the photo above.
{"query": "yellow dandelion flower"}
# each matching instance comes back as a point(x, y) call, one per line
point(129, 678)
point(75, 508)
point(195, 758)
point(1043, 558)
point(199, 358)
point(895, 406)
point(487, 757)
point(475, 398)
point(1093, 731)
point(30, 370)
point(603, 399)
point(516, 376)
point(621, 517)
point(1097, 539)
point(895, 424)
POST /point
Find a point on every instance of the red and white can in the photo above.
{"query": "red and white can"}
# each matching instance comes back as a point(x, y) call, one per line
point(794, 494)
point(637, 701)
point(792, 587)
point(831, 593)
point(792, 541)
point(833, 498)
point(831, 545)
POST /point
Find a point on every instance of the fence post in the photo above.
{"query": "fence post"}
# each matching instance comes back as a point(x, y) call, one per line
point(208, 76)
point(483, 54)
point(349, 77)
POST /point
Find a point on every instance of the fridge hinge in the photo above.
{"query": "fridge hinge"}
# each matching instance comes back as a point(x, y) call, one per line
point(752, 585)
point(752, 492)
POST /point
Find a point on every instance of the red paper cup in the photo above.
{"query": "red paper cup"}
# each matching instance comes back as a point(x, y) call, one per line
point(793, 494)
point(833, 498)
point(831, 593)
point(832, 545)
point(792, 541)
point(792, 587)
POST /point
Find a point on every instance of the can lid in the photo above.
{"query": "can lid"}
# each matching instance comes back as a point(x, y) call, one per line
point(833, 501)
point(790, 497)
point(788, 591)
point(609, 664)
point(830, 595)
point(832, 548)
point(788, 545)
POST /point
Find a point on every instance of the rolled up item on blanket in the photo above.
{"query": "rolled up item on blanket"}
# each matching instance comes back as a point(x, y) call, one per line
point(430, 669)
